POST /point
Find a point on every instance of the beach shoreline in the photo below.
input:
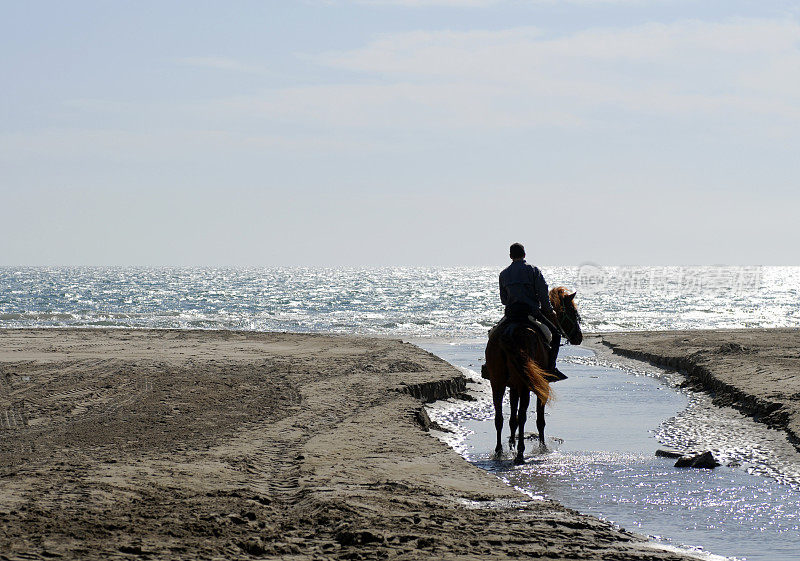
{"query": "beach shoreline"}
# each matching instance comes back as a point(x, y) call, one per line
point(240, 445)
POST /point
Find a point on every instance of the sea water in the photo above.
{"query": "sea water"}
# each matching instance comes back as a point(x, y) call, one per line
point(460, 302)
point(608, 421)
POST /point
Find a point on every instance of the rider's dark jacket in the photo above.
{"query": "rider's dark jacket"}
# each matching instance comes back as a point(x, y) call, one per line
point(521, 283)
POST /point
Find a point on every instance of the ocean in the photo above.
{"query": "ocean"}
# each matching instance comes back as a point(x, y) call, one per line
point(456, 302)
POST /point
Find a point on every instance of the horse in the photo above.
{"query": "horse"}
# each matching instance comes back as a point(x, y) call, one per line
point(517, 360)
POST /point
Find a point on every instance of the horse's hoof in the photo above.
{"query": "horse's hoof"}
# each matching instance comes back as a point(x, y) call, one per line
point(519, 461)
point(543, 447)
point(498, 453)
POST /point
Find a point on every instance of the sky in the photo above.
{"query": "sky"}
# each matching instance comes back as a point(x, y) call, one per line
point(399, 132)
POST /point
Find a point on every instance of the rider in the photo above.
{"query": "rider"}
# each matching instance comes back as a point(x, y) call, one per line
point(524, 293)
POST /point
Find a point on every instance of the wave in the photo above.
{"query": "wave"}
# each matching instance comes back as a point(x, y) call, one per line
point(403, 301)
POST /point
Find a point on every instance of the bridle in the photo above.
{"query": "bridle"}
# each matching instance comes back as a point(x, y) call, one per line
point(563, 318)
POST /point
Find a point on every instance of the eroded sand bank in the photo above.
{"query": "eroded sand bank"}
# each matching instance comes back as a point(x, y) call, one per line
point(188, 445)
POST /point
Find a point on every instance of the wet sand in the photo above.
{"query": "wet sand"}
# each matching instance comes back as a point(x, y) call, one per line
point(754, 370)
point(203, 445)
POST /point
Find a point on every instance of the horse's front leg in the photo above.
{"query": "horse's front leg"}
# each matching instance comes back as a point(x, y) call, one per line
point(497, 397)
point(513, 397)
point(524, 401)
point(540, 423)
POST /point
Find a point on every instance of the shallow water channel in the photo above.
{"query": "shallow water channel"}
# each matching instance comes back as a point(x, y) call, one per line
point(602, 437)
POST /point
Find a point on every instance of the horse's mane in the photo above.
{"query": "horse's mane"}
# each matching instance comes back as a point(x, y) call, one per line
point(557, 296)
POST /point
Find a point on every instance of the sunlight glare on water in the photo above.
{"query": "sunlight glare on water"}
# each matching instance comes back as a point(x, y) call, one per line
point(407, 301)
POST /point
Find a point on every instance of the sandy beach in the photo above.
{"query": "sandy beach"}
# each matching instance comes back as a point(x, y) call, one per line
point(213, 444)
point(754, 370)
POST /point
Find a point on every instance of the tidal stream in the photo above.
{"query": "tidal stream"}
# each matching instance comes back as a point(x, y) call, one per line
point(603, 431)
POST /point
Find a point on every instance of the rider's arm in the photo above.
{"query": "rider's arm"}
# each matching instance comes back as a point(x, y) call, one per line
point(551, 317)
point(503, 292)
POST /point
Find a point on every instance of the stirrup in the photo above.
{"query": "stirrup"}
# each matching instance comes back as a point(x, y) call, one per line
point(485, 372)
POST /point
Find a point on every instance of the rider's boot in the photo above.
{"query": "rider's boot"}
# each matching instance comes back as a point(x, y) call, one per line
point(553, 373)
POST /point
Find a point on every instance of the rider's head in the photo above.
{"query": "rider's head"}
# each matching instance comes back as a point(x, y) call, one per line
point(516, 251)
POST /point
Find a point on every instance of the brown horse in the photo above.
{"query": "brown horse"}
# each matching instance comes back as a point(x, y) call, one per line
point(516, 359)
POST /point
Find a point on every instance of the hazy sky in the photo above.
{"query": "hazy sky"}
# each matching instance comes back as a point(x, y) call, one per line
point(404, 132)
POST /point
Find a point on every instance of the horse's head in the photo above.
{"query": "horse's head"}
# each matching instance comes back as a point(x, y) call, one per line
point(567, 314)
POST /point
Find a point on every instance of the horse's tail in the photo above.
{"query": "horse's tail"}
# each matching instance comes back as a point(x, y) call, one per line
point(518, 344)
point(535, 375)
point(525, 368)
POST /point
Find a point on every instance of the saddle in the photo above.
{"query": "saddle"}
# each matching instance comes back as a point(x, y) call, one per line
point(507, 325)
point(507, 332)
point(513, 321)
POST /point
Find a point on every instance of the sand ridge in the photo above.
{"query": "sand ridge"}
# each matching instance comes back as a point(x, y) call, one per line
point(227, 445)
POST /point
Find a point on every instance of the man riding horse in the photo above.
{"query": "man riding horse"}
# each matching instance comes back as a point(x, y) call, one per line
point(523, 292)
point(522, 349)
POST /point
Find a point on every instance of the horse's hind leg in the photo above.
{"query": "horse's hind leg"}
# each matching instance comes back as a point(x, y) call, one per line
point(497, 397)
point(524, 401)
point(513, 397)
point(540, 422)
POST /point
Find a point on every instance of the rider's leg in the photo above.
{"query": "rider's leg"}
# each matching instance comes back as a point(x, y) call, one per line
point(555, 345)
point(555, 341)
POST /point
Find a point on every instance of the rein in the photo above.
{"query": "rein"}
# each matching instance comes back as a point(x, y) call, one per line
point(563, 317)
